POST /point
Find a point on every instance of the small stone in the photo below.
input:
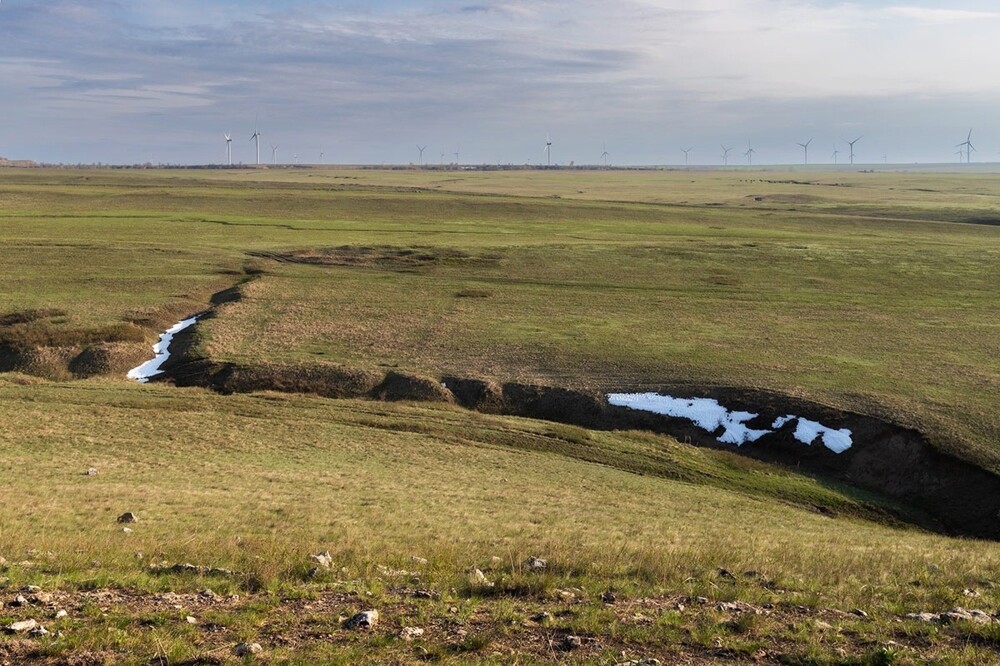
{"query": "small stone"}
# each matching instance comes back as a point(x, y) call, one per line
point(536, 564)
point(410, 633)
point(38, 632)
point(19, 600)
point(31, 588)
point(860, 613)
point(477, 577)
point(609, 597)
point(191, 619)
point(91, 471)
point(701, 600)
point(970, 593)
point(247, 649)
point(127, 530)
point(61, 614)
point(418, 560)
point(496, 561)
point(208, 593)
point(571, 642)
point(43, 598)
point(128, 517)
point(22, 626)
point(362, 620)
point(823, 626)
point(922, 617)
point(541, 617)
point(726, 573)
point(324, 559)
point(425, 594)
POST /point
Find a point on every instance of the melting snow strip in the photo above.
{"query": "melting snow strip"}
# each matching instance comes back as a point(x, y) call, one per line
point(151, 368)
point(709, 415)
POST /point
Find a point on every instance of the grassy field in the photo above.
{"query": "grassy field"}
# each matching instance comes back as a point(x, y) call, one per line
point(873, 292)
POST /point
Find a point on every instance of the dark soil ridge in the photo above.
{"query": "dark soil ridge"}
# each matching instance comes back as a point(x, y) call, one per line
point(887, 458)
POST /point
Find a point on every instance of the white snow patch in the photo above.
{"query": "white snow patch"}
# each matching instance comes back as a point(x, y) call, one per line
point(837, 441)
point(705, 413)
point(709, 415)
point(151, 368)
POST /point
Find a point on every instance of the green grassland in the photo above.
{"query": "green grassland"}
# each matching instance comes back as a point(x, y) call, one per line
point(872, 292)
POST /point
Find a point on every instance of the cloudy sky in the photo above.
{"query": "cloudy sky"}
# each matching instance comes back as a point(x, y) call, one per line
point(126, 81)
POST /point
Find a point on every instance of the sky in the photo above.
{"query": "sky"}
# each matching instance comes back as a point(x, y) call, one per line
point(131, 81)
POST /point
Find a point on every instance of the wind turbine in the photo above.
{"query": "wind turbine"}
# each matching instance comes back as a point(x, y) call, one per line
point(851, 144)
point(229, 148)
point(749, 153)
point(256, 137)
point(548, 150)
point(421, 149)
point(967, 144)
point(458, 152)
point(321, 157)
point(961, 154)
point(725, 155)
point(274, 153)
point(604, 155)
point(835, 153)
point(805, 147)
point(686, 153)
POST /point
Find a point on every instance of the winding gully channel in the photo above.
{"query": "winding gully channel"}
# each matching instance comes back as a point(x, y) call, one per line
point(858, 449)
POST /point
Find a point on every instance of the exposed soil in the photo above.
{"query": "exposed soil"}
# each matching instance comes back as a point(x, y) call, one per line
point(535, 625)
point(386, 257)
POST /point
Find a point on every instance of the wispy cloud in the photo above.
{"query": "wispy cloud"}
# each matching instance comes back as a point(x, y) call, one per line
point(367, 78)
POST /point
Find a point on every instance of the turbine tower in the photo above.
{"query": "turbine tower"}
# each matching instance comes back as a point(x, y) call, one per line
point(256, 137)
point(805, 147)
point(229, 147)
point(686, 153)
point(321, 157)
point(274, 154)
point(967, 144)
point(458, 151)
point(548, 151)
point(725, 154)
point(421, 149)
point(749, 153)
point(604, 155)
point(835, 153)
point(851, 144)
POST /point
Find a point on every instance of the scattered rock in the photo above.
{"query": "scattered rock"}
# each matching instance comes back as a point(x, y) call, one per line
point(324, 559)
point(418, 560)
point(38, 632)
point(61, 614)
point(541, 617)
point(425, 594)
point(726, 573)
point(247, 649)
point(21, 627)
point(958, 613)
point(91, 471)
point(609, 597)
point(362, 620)
point(922, 617)
point(536, 564)
point(566, 596)
point(31, 588)
point(128, 517)
point(822, 626)
point(127, 530)
point(410, 633)
point(42, 598)
point(570, 642)
point(19, 600)
point(701, 600)
point(190, 619)
point(970, 593)
point(494, 561)
point(477, 577)
point(208, 593)
point(860, 613)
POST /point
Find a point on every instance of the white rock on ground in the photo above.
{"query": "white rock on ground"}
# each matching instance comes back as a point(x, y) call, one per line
point(362, 620)
point(247, 649)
